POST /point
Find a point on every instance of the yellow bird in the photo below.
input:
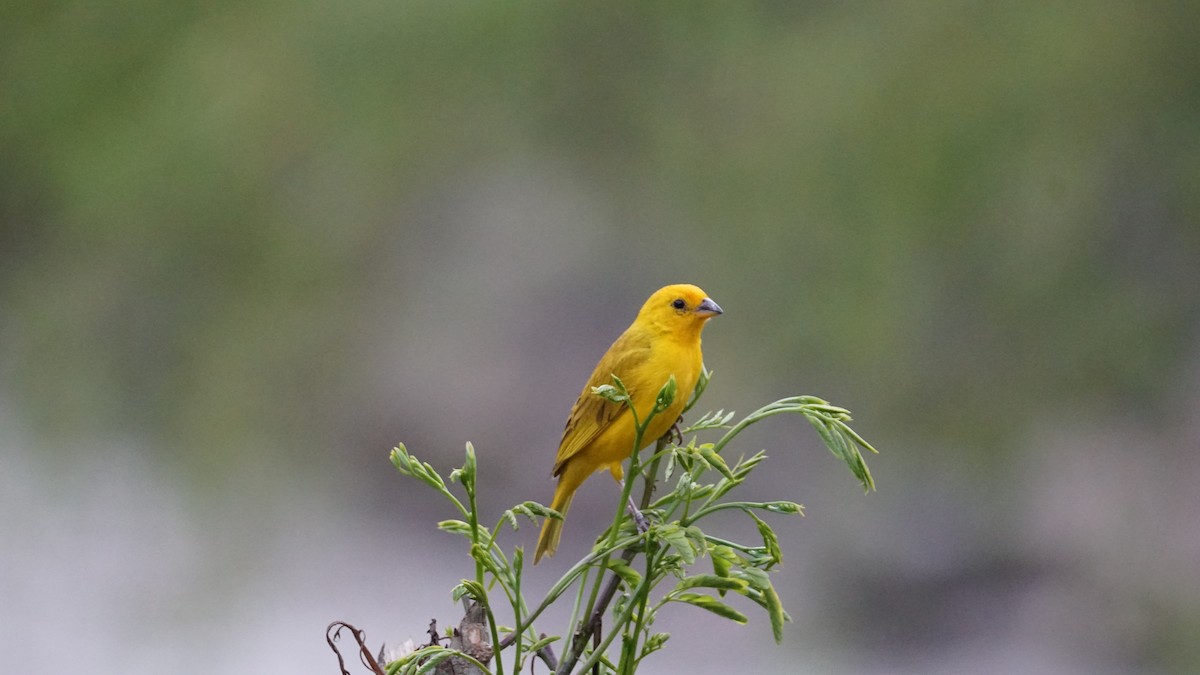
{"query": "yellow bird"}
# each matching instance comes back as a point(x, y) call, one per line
point(663, 340)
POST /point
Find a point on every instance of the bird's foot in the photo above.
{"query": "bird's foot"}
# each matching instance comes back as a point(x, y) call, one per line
point(675, 433)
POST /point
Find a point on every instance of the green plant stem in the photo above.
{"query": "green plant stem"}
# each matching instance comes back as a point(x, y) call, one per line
point(573, 635)
point(718, 541)
point(473, 523)
point(518, 604)
point(477, 551)
point(396, 666)
point(792, 404)
point(629, 648)
point(635, 613)
point(620, 620)
point(564, 582)
point(686, 503)
point(720, 507)
point(571, 655)
point(629, 657)
point(614, 529)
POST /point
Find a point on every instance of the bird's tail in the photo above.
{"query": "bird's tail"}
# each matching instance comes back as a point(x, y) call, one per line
point(552, 529)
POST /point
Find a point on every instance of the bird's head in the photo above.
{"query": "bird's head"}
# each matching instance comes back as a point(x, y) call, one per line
point(680, 308)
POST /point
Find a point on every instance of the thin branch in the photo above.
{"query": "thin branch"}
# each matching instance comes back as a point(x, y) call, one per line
point(364, 654)
point(546, 654)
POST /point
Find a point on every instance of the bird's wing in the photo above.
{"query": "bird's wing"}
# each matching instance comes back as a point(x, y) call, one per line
point(591, 414)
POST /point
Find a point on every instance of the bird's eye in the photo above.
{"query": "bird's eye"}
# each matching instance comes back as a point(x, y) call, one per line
point(679, 304)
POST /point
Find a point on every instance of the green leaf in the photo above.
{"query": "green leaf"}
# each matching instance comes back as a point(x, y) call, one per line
point(628, 575)
point(769, 539)
point(455, 527)
point(432, 662)
point(718, 582)
point(744, 466)
point(666, 395)
point(534, 646)
point(827, 435)
point(855, 437)
point(685, 459)
point(754, 576)
point(723, 560)
point(409, 659)
point(711, 604)
point(608, 393)
point(723, 487)
point(468, 587)
point(466, 475)
point(615, 392)
point(760, 556)
point(482, 553)
point(655, 642)
point(518, 562)
point(775, 611)
point(699, 542)
point(512, 519)
point(684, 486)
point(712, 420)
point(401, 459)
point(409, 465)
point(842, 447)
point(620, 603)
point(784, 507)
point(820, 405)
point(676, 538)
point(715, 460)
point(534, 510)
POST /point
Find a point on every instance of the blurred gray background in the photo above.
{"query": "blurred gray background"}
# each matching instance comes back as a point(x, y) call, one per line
point(246, 248)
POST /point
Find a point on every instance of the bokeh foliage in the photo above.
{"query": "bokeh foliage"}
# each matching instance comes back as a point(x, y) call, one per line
point(190, 192)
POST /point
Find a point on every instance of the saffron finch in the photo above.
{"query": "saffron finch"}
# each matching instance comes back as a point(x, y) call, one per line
point(664, 340)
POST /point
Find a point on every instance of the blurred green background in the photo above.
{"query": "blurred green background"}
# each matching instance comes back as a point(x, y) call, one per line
point(245, 248)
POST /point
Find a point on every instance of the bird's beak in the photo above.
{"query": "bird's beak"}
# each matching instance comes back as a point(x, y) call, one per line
point(708, 308)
